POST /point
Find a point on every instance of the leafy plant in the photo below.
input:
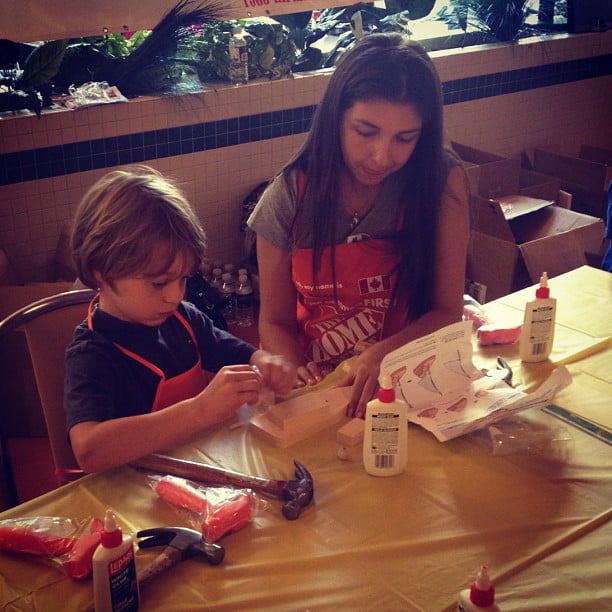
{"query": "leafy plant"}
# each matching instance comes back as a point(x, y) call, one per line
point(504, 20)
point(23, 86)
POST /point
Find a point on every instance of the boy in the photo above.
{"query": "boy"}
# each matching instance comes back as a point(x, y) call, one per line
point(135, 382)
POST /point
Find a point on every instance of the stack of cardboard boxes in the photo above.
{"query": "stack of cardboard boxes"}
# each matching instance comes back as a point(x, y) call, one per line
point(586, 177)
point(522, 225)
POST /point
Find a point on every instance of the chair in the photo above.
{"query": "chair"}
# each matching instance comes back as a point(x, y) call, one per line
point(49, 326)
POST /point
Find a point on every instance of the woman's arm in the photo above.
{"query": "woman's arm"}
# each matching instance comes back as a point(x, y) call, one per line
point(451, 253)
point(278, 327)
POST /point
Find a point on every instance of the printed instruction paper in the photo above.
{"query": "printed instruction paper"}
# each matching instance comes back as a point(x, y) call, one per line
point(447, 395)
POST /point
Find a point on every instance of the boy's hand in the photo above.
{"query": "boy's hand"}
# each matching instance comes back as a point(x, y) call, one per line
point(276, 372)
point(230, 388)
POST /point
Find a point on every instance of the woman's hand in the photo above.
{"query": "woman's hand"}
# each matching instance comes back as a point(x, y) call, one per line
point(308, 374)
point(363, 377)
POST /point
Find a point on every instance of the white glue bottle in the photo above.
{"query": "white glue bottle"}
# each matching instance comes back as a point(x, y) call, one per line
point(385, 440)
point(480, 597)
point(114, 570)
point(535, 343)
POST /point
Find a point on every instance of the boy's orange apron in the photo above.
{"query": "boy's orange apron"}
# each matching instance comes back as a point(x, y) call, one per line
point(172, 390)
point(366, 276)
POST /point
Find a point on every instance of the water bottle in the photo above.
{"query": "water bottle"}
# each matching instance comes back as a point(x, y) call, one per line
point(227, 293)
point(216, 280)
point(244, 302)
point(229, 267)
point(239, 57)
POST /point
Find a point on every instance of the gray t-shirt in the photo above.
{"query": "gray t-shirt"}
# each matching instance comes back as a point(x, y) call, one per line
point(274, 214)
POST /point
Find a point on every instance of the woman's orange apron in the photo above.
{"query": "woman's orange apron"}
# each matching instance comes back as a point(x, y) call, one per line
point(173, 390)
point(366, 275)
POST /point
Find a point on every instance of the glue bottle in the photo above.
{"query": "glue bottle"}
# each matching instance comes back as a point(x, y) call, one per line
point(480, 597)
point(385, 441)
point(114, 570)
point(538, 331)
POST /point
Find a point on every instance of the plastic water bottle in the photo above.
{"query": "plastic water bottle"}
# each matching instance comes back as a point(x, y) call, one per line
point(217, 281)
point(245, 303)
point(227, 293)
point(239, 57)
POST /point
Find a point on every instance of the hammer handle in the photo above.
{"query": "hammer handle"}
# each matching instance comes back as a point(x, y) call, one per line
point(192, 470)
point(167, 558)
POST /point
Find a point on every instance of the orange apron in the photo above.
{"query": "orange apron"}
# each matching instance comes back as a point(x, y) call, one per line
point(173, 390)
point(366, 276)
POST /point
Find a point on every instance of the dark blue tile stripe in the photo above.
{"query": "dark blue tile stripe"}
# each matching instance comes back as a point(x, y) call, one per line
point(145, 146)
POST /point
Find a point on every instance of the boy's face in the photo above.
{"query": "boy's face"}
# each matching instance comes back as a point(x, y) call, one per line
point(150, 297)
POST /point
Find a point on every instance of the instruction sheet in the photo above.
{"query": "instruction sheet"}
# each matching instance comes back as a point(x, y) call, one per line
point(447, 395)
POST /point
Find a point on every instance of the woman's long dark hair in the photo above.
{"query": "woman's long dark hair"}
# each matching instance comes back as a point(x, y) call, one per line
point(388, 67)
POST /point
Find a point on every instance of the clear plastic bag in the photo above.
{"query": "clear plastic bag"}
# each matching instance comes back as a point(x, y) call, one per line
point(66, 541)
point(215, 511)
point(519, 435)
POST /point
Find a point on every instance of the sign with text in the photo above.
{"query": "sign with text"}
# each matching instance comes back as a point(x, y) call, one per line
point(31, 20)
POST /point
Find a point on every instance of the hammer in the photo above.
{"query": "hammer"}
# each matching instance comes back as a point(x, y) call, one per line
point(180, 543)
point(297, 493)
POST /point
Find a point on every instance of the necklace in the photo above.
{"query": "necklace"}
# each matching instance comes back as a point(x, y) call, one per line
point(355, 220)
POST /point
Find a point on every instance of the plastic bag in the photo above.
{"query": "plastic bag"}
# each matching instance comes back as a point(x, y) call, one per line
point(215, 511)
point(69, 542)
point(489, 332)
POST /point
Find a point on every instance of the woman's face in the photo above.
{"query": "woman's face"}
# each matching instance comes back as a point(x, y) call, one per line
point(378, 137)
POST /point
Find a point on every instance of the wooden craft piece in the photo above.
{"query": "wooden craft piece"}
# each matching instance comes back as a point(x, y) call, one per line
point(297, 418)
point(351, 433)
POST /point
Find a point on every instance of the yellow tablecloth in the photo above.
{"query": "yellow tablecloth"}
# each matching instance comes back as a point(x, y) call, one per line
point(539, 517)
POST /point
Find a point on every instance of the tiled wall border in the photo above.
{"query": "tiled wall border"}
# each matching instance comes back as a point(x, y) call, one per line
point(102, 153)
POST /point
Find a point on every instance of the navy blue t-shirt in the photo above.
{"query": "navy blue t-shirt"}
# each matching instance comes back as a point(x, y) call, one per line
point(103, 383)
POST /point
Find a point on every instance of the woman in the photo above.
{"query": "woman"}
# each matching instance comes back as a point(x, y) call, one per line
point(366, 228)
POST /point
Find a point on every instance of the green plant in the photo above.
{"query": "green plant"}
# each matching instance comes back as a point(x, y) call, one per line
point(23, 86)
point(504, 20)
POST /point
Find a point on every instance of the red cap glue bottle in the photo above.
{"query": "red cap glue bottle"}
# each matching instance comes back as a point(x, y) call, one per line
point(535, 343)
point(385, 438)
point(114, 570)
point(480, 597)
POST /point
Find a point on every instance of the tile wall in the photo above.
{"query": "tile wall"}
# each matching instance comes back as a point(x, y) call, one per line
point(220, 144)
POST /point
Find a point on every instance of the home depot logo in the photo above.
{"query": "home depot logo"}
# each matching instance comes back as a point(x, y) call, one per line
point(374, 284)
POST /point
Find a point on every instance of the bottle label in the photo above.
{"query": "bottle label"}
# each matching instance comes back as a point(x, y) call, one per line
point(541, 325)
point(238, 54)
point(123, 582)
point(385, 436)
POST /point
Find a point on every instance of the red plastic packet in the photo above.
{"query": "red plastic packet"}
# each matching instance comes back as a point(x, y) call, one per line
point(215, 510)
point(69, 542)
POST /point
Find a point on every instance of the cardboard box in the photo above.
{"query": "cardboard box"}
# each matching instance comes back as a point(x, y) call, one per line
point(520, 232)
point(20, 409)
point(492, 176)
point(507, 255)
point(585, 177)
point(477, 163)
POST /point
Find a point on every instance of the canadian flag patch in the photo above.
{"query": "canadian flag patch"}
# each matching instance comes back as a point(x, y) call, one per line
point(374, 284)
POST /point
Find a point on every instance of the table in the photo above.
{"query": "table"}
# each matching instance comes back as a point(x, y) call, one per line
point(539, 517)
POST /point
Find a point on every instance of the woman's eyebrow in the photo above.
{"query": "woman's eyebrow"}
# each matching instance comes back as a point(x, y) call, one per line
point(367, 123)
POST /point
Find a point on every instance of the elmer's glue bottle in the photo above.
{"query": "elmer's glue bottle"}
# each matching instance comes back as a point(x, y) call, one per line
point(385, 440)
point(535, 343)
point(114, 570)
point(480, 597)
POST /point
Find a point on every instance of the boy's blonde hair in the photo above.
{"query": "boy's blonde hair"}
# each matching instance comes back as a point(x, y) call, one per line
point(124, 216)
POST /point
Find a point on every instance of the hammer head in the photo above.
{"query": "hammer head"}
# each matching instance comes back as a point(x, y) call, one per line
point(188, 542)
point(299, 492)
